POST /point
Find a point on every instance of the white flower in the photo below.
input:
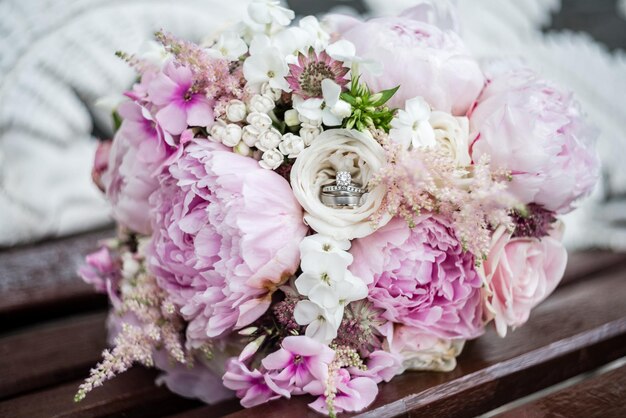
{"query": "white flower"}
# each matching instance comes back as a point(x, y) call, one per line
point(322, 323)
point(318, 37)
point(319, 243)
point(330, 110)
point(291, 145)
point(410, 127)
point(232, 135)
point(271, 159)
point(266, 12)
point(312, 123)
point(339, 150)
point(261, 103)
point(291, 118)
point(266, 64)
point(243, 149)
point(269, 140)
point(250, 135)
point(344, 50)
point(236, 110)
point(309, 133)
point(259, 120)
point(229, 46)
point(270, 92)
point(452, 134)
point(217, 131)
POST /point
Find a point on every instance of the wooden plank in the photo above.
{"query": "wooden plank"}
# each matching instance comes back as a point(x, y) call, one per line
point(132, 394)
point(579, 328)
point(42, 278)
point(600, 396)
point(584, 264)
point(50, 354)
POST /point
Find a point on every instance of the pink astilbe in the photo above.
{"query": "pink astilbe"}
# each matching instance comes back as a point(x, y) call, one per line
point(212, 76)
point(473, 198)
point(148, 323)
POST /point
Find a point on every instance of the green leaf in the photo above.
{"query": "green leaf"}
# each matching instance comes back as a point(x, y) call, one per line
point(117, 120)
point(348, 98)
point(386, 95)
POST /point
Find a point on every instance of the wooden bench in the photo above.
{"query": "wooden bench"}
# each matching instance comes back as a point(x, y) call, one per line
point(53, 332)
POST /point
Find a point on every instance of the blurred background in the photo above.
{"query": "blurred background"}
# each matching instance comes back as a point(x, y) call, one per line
point(59, 76)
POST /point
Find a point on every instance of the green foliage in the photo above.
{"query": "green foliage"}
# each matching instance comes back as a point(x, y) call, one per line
point(368, 109)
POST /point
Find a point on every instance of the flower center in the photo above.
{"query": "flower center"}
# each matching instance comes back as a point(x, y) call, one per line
point(312, 77)
point(297, 359)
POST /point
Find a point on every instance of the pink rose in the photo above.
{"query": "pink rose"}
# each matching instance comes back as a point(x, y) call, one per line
point(535, 130)
point(521, 272)
point(138, 150)
point(421, 277)
point(423, 59)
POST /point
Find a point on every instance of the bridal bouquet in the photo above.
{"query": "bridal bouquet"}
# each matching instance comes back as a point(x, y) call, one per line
point(316, 208)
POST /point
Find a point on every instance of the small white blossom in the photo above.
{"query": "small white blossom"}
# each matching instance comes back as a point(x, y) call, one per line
point(271, 159)
point(217, 131)
point(308, 133)
point(269, 140)
point(274, 94)
point(267, 12)
point(232, 135)
point(236, 110)
point(243, 149)
point(291, 118)
point(411, 127)
point(318, 37)
point(336, 109)
point(259, 120)
point(344, 50)
point(229, 46)
point(250, 135)
point(261, 103)
point(291, 145)
point(322, 324)
point(266, 64)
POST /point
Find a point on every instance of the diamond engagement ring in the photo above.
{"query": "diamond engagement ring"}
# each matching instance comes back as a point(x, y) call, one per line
point(343, 194)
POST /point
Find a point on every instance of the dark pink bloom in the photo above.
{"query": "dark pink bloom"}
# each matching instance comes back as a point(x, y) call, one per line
point(252, 387)
point(421, 277)
point(305, 78)
point(299, 361)
point(180, 104)
point(353, 394)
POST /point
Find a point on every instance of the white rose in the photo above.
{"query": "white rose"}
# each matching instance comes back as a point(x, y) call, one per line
point(339, 150)
point(309, 133)
point(250, 135)
point(217, 131)
point(291, 145)
point(232, 135)
point(236, 111)
point(269, 140)
point(271, 159)
point(259, 120)
point(261, 103)
point(291, 118)
point(452, 134)
point(269, 91)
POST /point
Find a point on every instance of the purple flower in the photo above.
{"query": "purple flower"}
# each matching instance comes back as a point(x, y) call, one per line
point(181, 105)
point(252, 387)
point(537, 131)
point(101, 270)
point(352, 394)
point(421, 277)
point(226, 235)
point(381, 366)
point(299, 361)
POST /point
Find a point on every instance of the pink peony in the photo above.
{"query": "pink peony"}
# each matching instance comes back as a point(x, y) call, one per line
point(299, 361)
point(226, 235)
point(421, 277)
point(423, 59)
point(353, 393)
point(521, 272)
point(100, 163)
point(138, 150)
point(535, 130)
point(252, 387)
point(180, 105)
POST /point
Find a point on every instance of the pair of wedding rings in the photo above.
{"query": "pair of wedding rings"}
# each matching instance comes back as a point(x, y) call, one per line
point(343, 194)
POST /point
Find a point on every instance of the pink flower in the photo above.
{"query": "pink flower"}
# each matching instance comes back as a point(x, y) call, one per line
point(535, 130)
point(181, 105)
point(101, 270)
point(381, 366)
point(353, 394)
point(100, 162)
point(252, 387)
point(299, 361)
point(423, 59)
point(421, 277)
point(305, 78)
point(226, 235)
point(521, 272)
point(138, 150)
